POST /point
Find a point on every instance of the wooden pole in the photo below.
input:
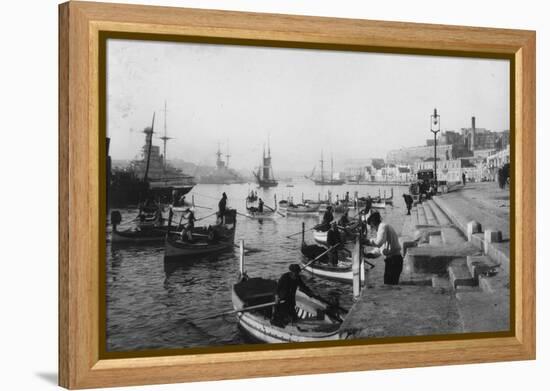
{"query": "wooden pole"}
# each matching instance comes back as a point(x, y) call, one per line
point(355, 267)
point(242, 271)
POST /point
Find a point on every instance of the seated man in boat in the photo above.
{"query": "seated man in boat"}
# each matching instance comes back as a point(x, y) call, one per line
point(285, 296)
point(388, 245)
point(344, 220)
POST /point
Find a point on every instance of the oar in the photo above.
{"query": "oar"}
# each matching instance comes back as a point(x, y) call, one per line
point(328, 303)
point(319, 256)
point(202, 207)
point(274, 210)
point(205, 217)
point(254, 307)
point(297, 233)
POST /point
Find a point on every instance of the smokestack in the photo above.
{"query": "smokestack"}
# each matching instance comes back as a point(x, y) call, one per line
point(473, 132)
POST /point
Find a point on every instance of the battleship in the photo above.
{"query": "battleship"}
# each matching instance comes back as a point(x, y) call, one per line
point(222, 174)
point(149, 175)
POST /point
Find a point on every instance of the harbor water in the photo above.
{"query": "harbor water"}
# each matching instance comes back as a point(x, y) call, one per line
point(152, 302)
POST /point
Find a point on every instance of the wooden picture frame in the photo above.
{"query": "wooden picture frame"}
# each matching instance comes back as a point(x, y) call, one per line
point(81, 364)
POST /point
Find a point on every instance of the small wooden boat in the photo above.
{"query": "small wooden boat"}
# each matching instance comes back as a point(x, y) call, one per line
point(320, 234)
point(206, 240)
point(148, 227)
point(283, 205)
point(379, 205)
point(268, 213)
point(342, 271)
point(299, 209)
point(315, 320)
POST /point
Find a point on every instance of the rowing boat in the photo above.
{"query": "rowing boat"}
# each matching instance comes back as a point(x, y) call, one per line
point(206, 240)
point(342, 271)
point(300, 209)
point(315, 322)
point(148, 227)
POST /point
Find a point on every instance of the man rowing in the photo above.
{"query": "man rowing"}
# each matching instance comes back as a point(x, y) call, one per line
point(285, 296)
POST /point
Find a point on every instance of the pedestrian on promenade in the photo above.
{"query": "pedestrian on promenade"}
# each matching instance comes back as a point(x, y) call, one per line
point(464, 178)
point(387, 243)
point(408, 202)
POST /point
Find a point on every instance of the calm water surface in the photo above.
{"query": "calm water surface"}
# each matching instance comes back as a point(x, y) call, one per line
point(150, 301)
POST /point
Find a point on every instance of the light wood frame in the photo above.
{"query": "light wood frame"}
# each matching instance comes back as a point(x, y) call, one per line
point(80, 173)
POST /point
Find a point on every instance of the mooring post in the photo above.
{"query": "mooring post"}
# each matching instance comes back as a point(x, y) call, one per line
point(355, 268)
point(241, 258)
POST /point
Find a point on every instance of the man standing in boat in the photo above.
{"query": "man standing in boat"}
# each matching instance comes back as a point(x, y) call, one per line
point(260, 206)
point(327, 218)
point(387, 243)
point(333, 242)
point(285, 296)
point(188, 230)
point(222, 205)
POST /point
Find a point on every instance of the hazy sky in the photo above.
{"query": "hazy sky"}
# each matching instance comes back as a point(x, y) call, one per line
point(355, 105)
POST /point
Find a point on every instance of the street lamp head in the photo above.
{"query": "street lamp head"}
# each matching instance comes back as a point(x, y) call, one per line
point(435, 124)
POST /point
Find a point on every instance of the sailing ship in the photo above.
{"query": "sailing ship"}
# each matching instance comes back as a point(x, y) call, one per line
point(222, 175)
point(322, 180)
point(264, 175)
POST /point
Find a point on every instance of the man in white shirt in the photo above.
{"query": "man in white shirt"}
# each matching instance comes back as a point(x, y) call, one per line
point(387, 243)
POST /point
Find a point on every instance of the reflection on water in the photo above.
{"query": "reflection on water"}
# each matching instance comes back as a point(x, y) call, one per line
point(151, 303)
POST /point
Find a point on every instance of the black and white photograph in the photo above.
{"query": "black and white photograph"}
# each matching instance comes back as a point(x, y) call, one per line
point(260, 195)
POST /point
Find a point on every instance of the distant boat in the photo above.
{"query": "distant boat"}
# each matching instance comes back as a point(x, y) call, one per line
point(264, 175)
point(206, 240)
point(322, 180)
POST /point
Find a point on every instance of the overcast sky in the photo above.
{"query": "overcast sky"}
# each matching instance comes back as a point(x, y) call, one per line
point(355, 105)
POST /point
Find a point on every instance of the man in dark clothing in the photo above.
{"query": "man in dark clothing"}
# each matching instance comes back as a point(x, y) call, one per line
point(188, 230)
point(285, 296)
point(333, 239)
point(260, 206)
point(408, 202)
point(222, 205)
point(464, 178)
point(327, 217)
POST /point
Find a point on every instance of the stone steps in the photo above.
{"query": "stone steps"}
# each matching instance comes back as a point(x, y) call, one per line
point(422, 220)
point(430, 216)
point(435, 240)
point(459, 274)
point(451, 235)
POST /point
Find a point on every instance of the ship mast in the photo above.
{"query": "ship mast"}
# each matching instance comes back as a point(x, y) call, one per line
point(322, 168)
point(165, 138)
point(149, 139)
point(331, 169)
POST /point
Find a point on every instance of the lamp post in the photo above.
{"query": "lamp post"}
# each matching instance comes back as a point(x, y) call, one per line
point(435, 127)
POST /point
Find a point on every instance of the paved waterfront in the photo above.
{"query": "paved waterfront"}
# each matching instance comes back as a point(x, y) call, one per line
point(448, 284)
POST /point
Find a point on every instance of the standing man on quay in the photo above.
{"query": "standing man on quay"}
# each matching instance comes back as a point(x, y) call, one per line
point(464, 178)
point(408, 202)
point(387, 242)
